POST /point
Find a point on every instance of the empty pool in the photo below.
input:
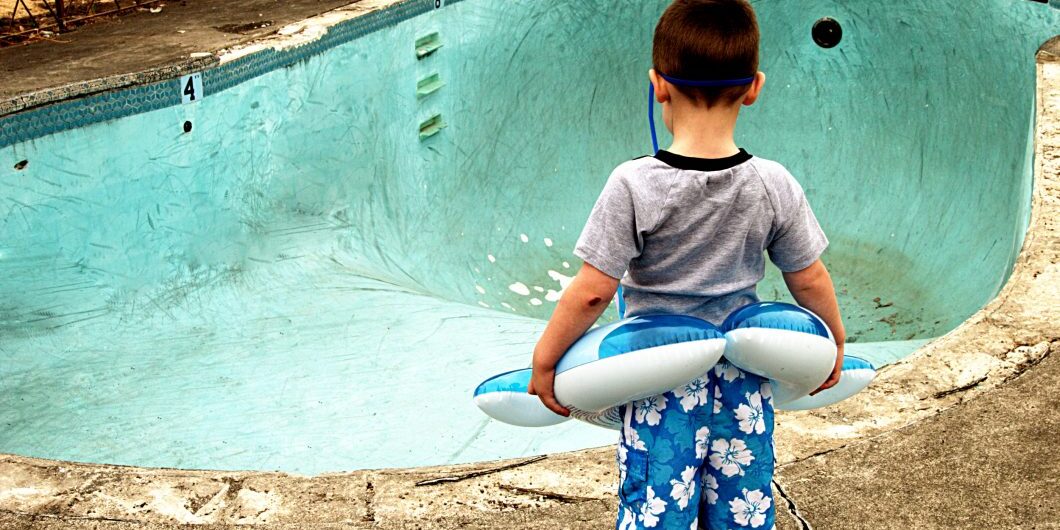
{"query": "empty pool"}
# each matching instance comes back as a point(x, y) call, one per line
point(310, 265)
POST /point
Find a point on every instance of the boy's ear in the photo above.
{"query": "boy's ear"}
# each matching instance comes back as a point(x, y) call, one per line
point(756, 89)
point(662, 88)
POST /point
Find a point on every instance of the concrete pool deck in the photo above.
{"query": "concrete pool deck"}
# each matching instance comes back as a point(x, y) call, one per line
point(957, 434)
point(140, 48)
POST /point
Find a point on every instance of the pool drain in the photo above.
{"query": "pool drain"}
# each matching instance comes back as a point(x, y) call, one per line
point(187, 126)
point(827, 32)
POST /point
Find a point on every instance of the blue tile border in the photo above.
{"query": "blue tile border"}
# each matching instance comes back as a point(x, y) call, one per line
point(94, 108)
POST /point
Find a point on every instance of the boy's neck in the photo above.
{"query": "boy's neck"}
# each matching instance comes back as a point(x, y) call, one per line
point(704, 133)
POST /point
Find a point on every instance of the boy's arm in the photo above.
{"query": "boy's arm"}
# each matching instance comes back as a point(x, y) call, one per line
point(581, 304)
point(812, 288)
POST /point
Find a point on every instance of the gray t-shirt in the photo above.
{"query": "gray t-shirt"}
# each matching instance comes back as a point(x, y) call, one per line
point(687, 235)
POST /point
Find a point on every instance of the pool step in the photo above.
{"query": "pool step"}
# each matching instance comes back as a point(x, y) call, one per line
point(426, 46)
point(431, 126)
point(428, 85)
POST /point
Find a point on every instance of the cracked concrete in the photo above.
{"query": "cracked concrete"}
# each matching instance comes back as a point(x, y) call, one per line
point(956, 435)
point(793, 509)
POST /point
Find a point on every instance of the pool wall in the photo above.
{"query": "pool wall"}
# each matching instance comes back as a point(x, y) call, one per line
point(296, 136)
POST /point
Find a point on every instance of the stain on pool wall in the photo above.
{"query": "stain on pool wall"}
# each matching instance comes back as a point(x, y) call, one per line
point(348, 243)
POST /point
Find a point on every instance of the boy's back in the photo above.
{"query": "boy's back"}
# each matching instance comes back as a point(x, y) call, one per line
point(686, 231)
point(692, 231)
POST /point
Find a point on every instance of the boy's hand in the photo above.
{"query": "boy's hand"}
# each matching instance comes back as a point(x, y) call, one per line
point(812, 288)
point(582, 303)
point(541, 385)
point(836, 372)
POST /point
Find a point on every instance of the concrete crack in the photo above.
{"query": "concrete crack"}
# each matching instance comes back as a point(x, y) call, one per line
point(792, 508)
point(962, 388)
point(369, 500)
point(561, 497)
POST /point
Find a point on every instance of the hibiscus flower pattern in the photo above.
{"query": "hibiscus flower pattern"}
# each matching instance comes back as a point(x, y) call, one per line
point(651, 509)
point(710, 488)
point(702, 441)
point(751, 509)
point(704, 455)
point(692, 394)
point(649, 410)
point(730, 456)
point(750, 414)
point(729, 372)
point(682, 490)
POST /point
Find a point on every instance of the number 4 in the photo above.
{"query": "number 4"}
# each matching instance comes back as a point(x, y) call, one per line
point(191, 88)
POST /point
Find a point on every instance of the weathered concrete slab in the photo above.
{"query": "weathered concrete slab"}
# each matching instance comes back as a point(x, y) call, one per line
point(141, 42)
point(990, 463)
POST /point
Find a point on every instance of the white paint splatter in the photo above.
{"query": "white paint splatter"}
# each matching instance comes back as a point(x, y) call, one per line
point(491, 258)
point(539, 289)
point(507, 305)
point(564, 282)
point(519, 288)
point(483, 304)
point(566, 265)
point(524, 238)
point(480, 289)
point(548, 242)
point(535, 301)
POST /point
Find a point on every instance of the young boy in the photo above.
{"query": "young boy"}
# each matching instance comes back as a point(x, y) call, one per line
point(685, 231)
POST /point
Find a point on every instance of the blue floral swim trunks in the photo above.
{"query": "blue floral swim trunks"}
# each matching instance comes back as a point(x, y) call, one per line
point(700, 456)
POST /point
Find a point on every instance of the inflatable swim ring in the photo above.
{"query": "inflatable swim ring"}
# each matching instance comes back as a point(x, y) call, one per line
point(785, 343)
point(593, 376)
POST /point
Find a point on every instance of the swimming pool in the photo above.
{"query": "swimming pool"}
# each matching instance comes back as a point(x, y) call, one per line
point(310, 266)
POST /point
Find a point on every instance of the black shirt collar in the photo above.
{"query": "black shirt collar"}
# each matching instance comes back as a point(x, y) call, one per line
point(702, 164)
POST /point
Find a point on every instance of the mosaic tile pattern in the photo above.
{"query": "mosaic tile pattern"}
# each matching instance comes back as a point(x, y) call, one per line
point(160, 88)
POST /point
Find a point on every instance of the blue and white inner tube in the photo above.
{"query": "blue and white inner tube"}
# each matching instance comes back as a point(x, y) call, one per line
point(643, 356)
point(785, 343)
point(504, 397)
point(663, 351)
point(856, 376)
point(611, 365)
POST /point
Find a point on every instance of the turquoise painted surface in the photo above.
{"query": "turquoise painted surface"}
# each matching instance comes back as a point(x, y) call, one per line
point(301, 283)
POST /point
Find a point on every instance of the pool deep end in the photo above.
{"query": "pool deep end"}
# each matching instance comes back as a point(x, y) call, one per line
point(295, 283)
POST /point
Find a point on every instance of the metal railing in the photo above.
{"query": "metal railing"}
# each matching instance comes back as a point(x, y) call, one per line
point(58, 16)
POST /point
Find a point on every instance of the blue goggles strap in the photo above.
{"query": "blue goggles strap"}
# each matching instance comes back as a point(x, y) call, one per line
point(707, 82)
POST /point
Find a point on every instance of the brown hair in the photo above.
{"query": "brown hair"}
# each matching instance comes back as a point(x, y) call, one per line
point(707, 39)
